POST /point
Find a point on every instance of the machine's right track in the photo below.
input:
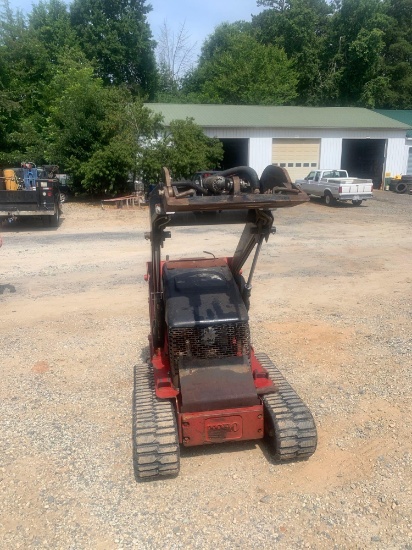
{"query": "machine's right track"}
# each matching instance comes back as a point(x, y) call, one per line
point(155, 436)
point(289, 424)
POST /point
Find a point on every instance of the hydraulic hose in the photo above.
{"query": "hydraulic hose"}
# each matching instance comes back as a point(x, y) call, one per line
point(245, 173)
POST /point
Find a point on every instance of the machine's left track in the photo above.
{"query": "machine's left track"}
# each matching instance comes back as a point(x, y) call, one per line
point(155, 436)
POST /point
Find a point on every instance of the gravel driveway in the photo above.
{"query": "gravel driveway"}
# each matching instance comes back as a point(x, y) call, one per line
point(332, 307)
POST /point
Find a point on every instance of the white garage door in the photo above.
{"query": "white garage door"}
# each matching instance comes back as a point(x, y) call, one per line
point(298, 156)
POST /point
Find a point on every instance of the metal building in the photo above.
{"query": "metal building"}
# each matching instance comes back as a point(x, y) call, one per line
point(363, 142)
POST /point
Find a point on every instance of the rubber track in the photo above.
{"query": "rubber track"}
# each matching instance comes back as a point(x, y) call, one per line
point(155, 437)
point(289, 424)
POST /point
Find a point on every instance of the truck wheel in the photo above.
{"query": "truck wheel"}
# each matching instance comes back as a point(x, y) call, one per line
point(401, 187)
point(329, 200)
point(55, 219)
point(357, 203)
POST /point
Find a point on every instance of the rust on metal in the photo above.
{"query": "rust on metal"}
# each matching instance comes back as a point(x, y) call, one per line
point(232, 202)
point(195, 262)
point(276, 191)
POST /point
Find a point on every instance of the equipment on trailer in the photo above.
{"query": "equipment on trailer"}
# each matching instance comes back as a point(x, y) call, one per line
point(204, 382)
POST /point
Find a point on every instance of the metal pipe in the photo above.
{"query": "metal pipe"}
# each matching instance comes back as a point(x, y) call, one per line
point(255, 259)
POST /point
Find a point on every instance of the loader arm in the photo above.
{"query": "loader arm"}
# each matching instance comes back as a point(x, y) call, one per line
point(172, 207)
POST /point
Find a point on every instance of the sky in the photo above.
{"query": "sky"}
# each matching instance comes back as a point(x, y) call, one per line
point(199, 16)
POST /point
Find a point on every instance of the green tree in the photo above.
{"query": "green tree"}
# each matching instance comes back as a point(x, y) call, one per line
point(9, 111)
point(8, 107)
point(25, 59)
point(16, 80)
point(116, 38)
point(277, 5)
point(235, 68)
point(358, 29)
point(130, 136)
point(187, 149)
point(32, 50)
point(398, 56)
point(75, 118)
point(183, 148)
point(97, 133)
point(301, 28)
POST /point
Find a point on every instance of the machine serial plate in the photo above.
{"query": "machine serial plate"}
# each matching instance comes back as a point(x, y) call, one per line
point(223, 428)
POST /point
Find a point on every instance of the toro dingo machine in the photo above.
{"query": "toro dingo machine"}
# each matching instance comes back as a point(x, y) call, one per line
point(204, 382)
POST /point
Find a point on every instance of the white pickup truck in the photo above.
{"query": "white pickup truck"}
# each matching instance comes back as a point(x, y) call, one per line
point(334, 185)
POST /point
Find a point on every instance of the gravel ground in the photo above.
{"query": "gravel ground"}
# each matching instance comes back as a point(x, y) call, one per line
point(332, 307)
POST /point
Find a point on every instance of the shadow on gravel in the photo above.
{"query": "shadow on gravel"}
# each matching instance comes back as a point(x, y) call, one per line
point(10, 288)
point(144, 354)
point(337, 204)
point(217, 449)
point(264, 446)
point(37, 223)
point(235, 447)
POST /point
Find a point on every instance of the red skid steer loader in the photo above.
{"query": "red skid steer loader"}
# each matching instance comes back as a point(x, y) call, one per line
point(204, 383)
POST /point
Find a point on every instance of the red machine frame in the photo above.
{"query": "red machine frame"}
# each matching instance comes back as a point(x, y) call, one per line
point(211, 426)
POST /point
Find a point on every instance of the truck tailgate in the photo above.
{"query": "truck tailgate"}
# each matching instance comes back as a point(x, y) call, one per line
point(26, 203)
point(357, 187)
point(353, 186)
point(18, 197)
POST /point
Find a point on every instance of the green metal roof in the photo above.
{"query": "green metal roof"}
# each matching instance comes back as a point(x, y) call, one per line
point(402, 116)
point(262, 116)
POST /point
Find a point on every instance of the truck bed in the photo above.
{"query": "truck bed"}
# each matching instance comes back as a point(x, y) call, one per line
point(42, 201)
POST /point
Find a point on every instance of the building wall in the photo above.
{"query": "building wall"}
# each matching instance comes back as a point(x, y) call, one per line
point(260, 153)
point(396, 159)
point(409, 156)
point(330, 152)
point(260, 144)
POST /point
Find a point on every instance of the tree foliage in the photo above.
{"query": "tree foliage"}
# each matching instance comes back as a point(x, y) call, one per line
point(74, 78)
point(235, 68)
point(300, 28)
point(183, 148)
point(188, 149)
point(97, 132)
point(116, 38)
point(349, 52)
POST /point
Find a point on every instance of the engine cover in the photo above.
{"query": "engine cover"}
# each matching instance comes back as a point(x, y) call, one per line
point(201, 297)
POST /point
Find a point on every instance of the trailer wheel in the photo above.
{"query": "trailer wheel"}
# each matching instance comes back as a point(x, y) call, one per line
point(329, 200)
point(401, 187)
point(357, 203)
